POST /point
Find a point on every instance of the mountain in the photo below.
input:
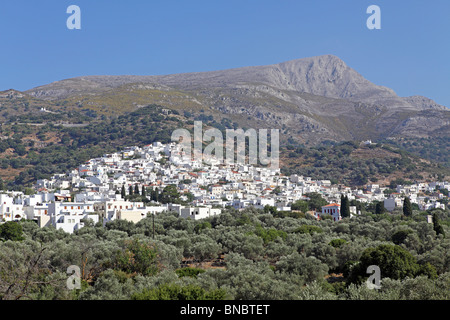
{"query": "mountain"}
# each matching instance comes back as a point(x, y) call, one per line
point(326, 76)
point(312, 100)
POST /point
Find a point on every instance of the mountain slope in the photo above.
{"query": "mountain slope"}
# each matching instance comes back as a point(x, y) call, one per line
point(310, 100)
point(326, 76)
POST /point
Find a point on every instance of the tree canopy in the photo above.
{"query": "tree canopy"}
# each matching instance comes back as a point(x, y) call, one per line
point(245, 254)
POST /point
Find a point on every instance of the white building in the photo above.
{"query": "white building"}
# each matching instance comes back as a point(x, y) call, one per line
point(9, 210)
point(199, 213)
point(38, 213)
point(69, 215)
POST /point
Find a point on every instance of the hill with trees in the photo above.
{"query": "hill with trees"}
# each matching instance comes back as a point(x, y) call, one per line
point(41, 148)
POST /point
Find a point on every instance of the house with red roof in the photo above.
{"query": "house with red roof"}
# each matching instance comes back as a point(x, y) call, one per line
point(332, 209)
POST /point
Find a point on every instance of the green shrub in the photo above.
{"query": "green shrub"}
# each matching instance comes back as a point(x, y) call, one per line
point(11, 231)
point(178, 292)
point(310, 229)
point(337, 243)
point(189, 272)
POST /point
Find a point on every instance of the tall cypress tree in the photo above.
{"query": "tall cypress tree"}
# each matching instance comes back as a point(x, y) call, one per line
point(407, 209)
point(379, 209)
point(136, 189)
point(122, 193)
point(144, 192)
point(156, 194)
point(437, 225)
point(130, 190)
point(152, 194)
point(345, 207)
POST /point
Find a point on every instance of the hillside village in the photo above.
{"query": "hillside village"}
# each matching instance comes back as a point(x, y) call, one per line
point(95, 190)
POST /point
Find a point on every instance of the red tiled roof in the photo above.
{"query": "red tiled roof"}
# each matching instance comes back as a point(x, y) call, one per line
point(332, 205)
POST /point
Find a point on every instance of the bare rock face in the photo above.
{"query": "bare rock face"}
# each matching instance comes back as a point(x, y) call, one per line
point(423, 103)
point(11, 94)
point(329, 76)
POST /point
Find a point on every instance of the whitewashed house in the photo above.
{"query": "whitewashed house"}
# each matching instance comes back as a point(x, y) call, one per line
point(198, 212)
point(68, 216)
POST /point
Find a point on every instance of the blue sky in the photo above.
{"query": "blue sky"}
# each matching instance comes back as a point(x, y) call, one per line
point(410, 54)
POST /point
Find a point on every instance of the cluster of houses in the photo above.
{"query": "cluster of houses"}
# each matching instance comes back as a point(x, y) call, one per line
point(93, 190)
